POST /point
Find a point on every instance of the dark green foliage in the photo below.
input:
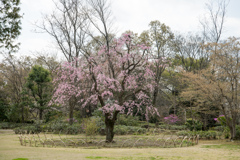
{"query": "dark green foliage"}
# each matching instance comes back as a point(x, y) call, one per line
point(38, 82)
point(172, 127)
point(10, 125)
point(73, 129)
point(10, 21)
point(3, 110)
point(237, 132)
point(123, 130)
point(13, 113)
point(57, 127)
point(202, 134)
point(3, 102)
point(127, 120)
point(194, 125)
point(52, 115)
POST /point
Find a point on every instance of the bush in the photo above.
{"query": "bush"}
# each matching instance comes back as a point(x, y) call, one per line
point(218, 128)
point(57, 127)
point(73, 129)
point(194, 125)
point(171, 119)
point(127, 120)
point(10, 125)
point(202, 134)
point(32, 129)
point(123, 130)
point(237, 132)
point(177, 127)
point(90, 127)
point(19, 130)
point(172, 127)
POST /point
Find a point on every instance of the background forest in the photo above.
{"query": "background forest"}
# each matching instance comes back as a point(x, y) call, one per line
point(110, 84)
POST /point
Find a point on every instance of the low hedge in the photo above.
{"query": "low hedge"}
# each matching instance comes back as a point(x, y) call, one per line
point(123, 130)
point(202, 134)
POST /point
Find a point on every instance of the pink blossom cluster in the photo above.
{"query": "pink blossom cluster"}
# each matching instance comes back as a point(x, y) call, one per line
point(216, 119)
point(171, 119)
point(110, 78)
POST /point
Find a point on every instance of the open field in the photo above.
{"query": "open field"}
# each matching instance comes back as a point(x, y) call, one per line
point(10, 149)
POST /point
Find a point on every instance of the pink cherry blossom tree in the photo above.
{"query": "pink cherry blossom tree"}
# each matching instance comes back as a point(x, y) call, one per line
point(110, 78)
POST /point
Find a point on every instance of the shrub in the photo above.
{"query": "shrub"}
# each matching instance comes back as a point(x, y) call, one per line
point(237, 132)
point(202, 134)
point(10, 125)
point(127, 120)
point(123, 130)
point(194, 125)
point(72, 129)
point(177, 127)
point(90, 127)
point(58, 127)
point(171, 119)
point(19, 130)
point(32, 129)
point(172, 127)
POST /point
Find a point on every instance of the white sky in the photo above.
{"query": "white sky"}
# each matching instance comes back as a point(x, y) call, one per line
point(180, 15)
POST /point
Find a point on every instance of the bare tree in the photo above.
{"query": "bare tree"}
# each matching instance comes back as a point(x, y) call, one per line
point(67, 25)
point(190, 52)
point(213, 22)
point(160, 38)
point(13, 72)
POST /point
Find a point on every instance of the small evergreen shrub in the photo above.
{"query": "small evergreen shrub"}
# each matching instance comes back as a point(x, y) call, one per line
point(194, 125)
point(202, 134)
point(124, 130)
point(127, 120)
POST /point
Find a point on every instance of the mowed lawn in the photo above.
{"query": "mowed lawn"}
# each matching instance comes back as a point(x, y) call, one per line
point(10, 149)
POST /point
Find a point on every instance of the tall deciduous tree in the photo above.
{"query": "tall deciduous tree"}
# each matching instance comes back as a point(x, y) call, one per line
point(123, 85)
point(75, 25)
point(10, 21)
point(213, 22)
point(67, 25)
point(38, 82)
point(219, 84)
point(162, 38)
point(13, 73)
point(159, 37)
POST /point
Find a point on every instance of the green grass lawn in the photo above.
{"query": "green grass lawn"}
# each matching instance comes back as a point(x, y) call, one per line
point(10, 149)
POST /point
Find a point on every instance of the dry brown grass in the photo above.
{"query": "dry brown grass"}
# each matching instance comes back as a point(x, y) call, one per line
point(10, 148)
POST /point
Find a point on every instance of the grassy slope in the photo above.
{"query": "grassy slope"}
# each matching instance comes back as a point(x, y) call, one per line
point(10, 148)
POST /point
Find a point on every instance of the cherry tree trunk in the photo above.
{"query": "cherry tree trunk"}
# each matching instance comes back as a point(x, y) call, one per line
point(109, 128)
point(71, 108)
point(72, 102)
point(109, 131)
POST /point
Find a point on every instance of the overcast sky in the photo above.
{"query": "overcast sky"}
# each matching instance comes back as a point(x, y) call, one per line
point(180, 15)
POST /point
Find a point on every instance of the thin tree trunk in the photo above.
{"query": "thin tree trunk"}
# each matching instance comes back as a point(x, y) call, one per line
point(233, 131)
point(22, 114)
point(71, 108)
point(155, 94)
point(72, 102)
